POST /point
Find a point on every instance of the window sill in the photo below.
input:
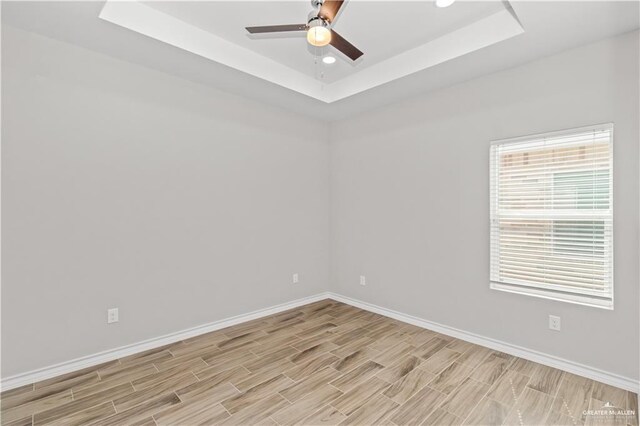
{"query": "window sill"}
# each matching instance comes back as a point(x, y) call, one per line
point(595, 302)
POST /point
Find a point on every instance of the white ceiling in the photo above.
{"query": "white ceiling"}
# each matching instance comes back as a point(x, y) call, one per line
point(215, 30)
point(549, 27)
point(380, 29)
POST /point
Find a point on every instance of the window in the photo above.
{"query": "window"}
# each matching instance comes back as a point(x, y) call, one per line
point(552, 216)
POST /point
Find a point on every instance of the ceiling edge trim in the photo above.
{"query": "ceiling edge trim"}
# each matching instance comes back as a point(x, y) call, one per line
point(150, 22)
point(493, 29)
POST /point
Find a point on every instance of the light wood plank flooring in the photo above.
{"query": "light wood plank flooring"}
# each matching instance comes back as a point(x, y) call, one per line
point(326, 363)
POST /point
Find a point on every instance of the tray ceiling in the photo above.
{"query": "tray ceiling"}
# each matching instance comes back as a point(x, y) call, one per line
point(398, 38)
point(551, 27)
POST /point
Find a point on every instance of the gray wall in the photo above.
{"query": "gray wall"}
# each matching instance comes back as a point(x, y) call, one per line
point(182, 205)
point(410, 194)
point(124, 187)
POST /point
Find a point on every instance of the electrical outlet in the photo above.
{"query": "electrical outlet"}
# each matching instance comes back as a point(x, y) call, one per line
point(112, 315)
point(554, 323)
point(295, 278)
point(363, 280)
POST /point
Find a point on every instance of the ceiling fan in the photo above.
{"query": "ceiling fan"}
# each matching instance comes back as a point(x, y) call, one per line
point(318, 28)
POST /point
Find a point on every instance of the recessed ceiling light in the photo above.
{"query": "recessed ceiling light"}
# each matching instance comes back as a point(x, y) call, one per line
point(329, 60)
point(444, 3)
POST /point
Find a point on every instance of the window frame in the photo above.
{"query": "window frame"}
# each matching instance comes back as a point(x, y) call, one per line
point(537, 291)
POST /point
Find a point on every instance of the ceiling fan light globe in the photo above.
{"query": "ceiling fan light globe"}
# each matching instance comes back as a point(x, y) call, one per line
point(319, 36)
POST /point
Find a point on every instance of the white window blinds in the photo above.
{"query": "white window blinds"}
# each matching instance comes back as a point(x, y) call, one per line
point(551, 216)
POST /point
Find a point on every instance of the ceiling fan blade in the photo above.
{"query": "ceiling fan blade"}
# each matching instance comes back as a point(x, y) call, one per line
point(344, 46)
point(276, 28)
point(329, 9)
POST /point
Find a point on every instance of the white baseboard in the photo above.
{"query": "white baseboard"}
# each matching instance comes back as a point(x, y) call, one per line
point(109, 355)
point(531, 355)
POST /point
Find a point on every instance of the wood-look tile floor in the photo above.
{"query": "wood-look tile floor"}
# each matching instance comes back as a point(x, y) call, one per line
point(324, 363)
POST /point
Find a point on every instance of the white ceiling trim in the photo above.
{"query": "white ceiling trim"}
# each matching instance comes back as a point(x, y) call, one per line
point(148, 21)
point(491, 30)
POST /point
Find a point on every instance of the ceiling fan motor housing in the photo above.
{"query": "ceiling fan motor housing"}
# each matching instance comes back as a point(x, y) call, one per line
point(313, 20)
